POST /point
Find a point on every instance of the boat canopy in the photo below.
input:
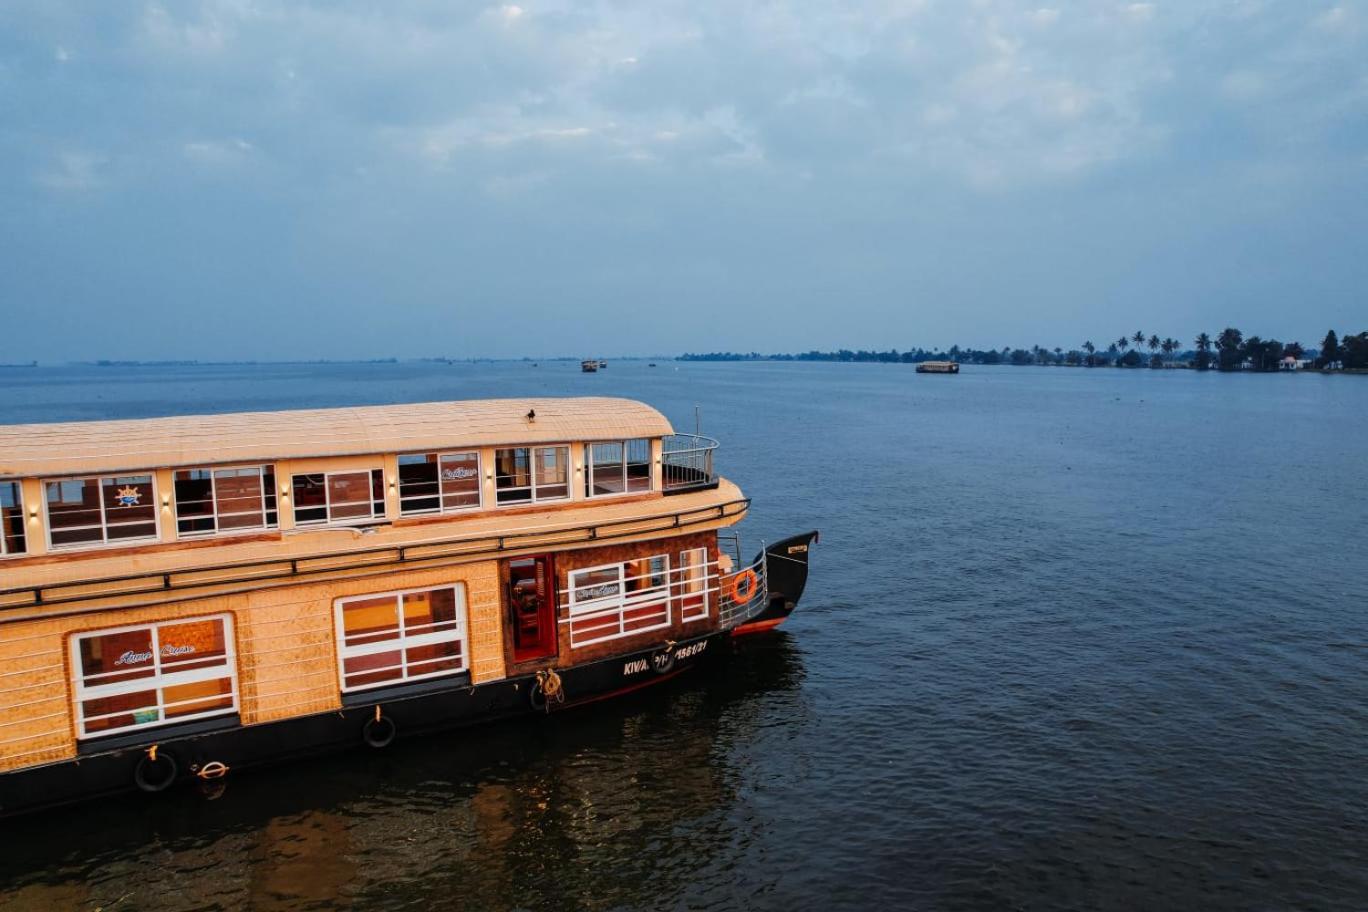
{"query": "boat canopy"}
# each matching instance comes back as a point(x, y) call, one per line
point(88, 447)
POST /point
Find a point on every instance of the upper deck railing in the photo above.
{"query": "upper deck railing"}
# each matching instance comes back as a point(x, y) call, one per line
point(688, 463)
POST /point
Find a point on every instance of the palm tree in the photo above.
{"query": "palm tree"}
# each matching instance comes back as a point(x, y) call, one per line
point(1123, 343)
point(1138, 338)
point(1089, 347)
point(1153, 343)
point(1203, 343)
point(1167, 346)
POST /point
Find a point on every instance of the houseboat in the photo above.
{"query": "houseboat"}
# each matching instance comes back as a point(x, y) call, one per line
point(938, 367)
point(183, 598)
point(589, 366)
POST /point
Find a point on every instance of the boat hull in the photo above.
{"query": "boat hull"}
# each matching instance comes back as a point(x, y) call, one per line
point(786, 572)
point(226, 751)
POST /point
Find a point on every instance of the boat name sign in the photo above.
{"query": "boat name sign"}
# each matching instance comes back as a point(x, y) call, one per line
point(168, 651)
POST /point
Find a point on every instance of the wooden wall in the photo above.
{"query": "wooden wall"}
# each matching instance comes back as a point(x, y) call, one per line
point(285, 643)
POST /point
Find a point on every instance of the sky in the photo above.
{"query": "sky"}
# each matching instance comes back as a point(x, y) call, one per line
point(251, 179)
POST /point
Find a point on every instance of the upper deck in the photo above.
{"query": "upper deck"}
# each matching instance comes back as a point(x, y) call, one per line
point(114, 500)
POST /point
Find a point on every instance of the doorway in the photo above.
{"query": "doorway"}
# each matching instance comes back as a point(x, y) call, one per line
point(532, 608)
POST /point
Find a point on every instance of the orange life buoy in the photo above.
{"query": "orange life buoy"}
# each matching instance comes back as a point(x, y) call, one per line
point(735, 587)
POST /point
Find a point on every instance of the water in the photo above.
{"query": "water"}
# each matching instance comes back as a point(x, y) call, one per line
point(1073, 640)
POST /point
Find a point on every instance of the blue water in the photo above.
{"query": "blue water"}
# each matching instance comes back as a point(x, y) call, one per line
point(1075, 639)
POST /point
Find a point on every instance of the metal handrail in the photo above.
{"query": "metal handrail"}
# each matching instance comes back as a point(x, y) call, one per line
point(734, 613)
point(687, 462)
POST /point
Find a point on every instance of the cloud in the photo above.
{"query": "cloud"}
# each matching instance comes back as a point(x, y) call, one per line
point(840, 147)
point(71, 172)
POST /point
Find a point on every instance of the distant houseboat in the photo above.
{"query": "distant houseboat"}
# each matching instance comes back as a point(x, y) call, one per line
point(589, 367)
point(603, 365)
point(938, 367)
point(184, 597)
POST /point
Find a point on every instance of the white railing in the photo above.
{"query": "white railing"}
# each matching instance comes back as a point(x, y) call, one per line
point(743, 597)
point(688, 594)
point(687, 462)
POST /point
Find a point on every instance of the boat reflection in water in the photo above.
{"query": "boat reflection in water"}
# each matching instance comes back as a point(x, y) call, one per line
point(614, 804)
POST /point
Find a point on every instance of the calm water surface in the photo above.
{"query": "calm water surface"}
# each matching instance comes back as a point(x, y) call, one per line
point(1074, 640)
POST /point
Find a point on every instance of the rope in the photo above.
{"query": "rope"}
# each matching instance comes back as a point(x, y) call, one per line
point(551, 688)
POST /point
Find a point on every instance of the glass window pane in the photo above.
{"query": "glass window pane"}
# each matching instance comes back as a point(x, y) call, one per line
point(194, 490)
point(114, 657)
point(197, 697)
point(552, 472)
point(12, 533)
point(310, 498)
point(606, 468)
point(434, 657)
point(371, 620)
point(192, 644)
point(418, 487)
point(238, 495)
point(374, 668)
point(120, 711)
point(513, 475)
point(638, 459)
point(130, 507)
point(460, 480)
point(349, 495)
point(433, 611)
point(73, 507)
point(603, 582)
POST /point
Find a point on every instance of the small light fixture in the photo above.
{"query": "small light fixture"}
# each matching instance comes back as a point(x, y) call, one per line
point(166, 500)
point(33, 513)
point(391, 480)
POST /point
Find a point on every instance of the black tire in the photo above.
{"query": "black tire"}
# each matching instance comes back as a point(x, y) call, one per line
point(663, 661)
point(537, 697)
point(158, 775)
point(379, 733)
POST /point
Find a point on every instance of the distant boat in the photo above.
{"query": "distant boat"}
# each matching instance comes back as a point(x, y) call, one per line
point(590, 366)
point(603, 365)
point(938, 367)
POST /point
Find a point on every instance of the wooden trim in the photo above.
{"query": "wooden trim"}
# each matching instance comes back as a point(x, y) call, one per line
point(187, 582)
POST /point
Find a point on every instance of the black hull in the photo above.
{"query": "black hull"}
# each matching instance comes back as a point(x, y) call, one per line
point(188, 757)
point(786, 573)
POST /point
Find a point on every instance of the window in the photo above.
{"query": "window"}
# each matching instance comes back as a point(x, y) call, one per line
point(225, 500)
point(99, 511)
point(617, 467)
point(338, 497)
point(401, 636)
point(438, 483)
point(618, 600)
point(530, 474)
point(148, 675)
point(692, 585)
point(12, 518)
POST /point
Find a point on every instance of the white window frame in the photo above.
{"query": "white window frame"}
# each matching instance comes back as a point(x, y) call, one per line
point(327, 500)
point(402, 641)
point(607, 606)
point(23, 517)
point(706, 579)
point(213, 499)
point(589, 471)
point(533, 488)
point(157, 681)
point(441, 505)
point(104, 522)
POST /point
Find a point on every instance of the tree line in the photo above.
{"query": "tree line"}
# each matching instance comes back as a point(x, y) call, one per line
point(1228, 350)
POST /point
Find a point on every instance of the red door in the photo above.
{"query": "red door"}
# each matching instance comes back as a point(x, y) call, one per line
point(532, 607)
